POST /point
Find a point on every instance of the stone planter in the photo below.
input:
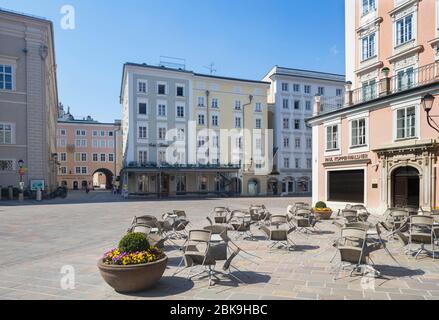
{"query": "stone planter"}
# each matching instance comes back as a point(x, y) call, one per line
point(133, 278)
point(323, 215)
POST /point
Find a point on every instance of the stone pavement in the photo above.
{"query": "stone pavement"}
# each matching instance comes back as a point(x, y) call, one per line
point(38, 240)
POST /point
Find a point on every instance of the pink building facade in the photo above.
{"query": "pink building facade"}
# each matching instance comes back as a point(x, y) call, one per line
point(378, 148)
point(89, 154)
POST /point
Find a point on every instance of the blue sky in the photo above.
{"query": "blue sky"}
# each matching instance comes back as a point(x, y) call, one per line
point(244, 38)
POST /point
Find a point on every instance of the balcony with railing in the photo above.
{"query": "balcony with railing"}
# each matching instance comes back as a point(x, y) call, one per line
point(400, 82)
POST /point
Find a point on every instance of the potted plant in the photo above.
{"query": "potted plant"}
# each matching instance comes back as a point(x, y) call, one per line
point(322, 211)
point(385, 71)
point(134, 266)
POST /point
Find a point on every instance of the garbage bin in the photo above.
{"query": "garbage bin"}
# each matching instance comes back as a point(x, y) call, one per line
point(39, 195)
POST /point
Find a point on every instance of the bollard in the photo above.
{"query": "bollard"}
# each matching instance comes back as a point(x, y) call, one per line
point(21, 197)
point(11, 193)
point(39, 194)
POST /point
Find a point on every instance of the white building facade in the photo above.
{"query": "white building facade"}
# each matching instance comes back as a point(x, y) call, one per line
point(291, 97)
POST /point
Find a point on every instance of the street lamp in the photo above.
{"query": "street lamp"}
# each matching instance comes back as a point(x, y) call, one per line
point(427, 103)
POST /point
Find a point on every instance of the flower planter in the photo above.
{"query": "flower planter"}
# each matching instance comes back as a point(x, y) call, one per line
point(133, 278)
point(323, 215)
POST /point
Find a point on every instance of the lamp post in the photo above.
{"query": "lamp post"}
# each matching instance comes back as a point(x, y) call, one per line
point(427, 103)
point(21, 172)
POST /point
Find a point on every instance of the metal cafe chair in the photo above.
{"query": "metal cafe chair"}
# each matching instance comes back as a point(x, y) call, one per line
point(422, 232)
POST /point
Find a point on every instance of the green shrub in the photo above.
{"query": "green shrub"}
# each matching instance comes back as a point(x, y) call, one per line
point(134, 242)
point(321, 205)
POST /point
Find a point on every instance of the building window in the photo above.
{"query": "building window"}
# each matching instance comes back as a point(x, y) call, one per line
point(321, 91)
point(5, 133)
point(369, 90)
point(286, 104)
point(102, 143)
point(161, 111)
point(237, 105)
point(102, 133)
point(332, 138)
point(286, 123)
point(143, 108)
point(297, 143)
point(307, 105)
point(81, 157)
point(307, 89)
point(215, 120)
point(358, 132)
point(110, 143)
point(180, 111)
point(203, 183)
point(84, 170)
point(62, 132)
point(162, 157)
point(296, 104)
point(143, 132)
point(201, 101)
point(143, 156)
point(284, 87)
point(346, 186)
point(404, 30)
point(201, 120)
point(258, 107)
point(62, 170)
point(162, 133)
point(286, 142)
point(180, 134)
point(81, 143)
point(309, 143)
point(369, 46)
point(6, 81)
point(6, 165)
point(161, 89)
point(62, 142)
point(181, 183)
point(258, 123)
point(95, 157)
point(297, 124)
point(110, 157)
point(297, 163)
point(368, 6)
point(110, 133)
point(296, 87)
point(286, 163)
point(141, 88)
point(237, 122)
point(95, 133)
point(103, 157)
point(405, 79)
point(406, 123)
point(308, 163)
point(215, 103)
point(63, 157)
point(180, 91)
point(338, 92)
point(81, 133)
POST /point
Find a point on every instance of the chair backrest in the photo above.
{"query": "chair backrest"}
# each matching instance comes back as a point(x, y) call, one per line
point(424, 221)
point(200, 236)
point(303, 212)
point(180, 213)
point(348, 206)
point(353, 237)
point(180, 225)
point(144, 219)
point(210, 221)
point(278, 219)
point(358, 225)
point(141, 228)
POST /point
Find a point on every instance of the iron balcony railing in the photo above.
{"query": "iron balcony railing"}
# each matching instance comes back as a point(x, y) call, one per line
point(399, 82)
point(153, 165)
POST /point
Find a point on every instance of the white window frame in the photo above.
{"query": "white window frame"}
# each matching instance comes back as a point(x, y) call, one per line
point(337, 151)
point(405, 105)
point(142, 124)
point(363, 148)
point(413, 30)
point(13, 138)
point(146, 86)
point(13, 64)
point(181, 105)
point(139, 101)
point(161, 126)
point(162, 103)
point(166, 88)
point(369, 48)
point(180, 85)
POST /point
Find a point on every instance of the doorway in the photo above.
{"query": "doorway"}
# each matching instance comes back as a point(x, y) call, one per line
point(164, 185)
point(405, 187)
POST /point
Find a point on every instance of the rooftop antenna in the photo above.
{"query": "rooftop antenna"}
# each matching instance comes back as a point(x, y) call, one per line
point(172, 62)
point(211, 68)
